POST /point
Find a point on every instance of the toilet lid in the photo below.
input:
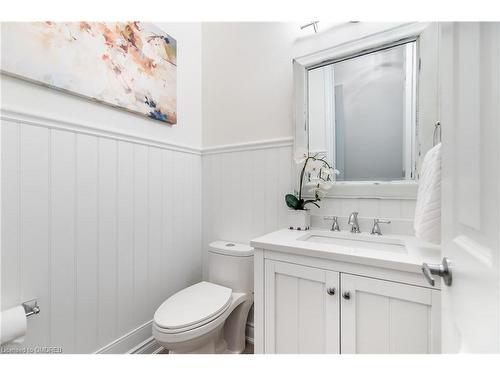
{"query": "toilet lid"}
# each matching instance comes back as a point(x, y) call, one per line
point(192, 305)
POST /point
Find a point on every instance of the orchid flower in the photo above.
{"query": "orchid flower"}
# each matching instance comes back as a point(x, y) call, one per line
point(320, 178)
point(300, 156)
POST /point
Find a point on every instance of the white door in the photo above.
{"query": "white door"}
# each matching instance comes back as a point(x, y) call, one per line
point(380, 316)
point(469, 113)
point(301, 309)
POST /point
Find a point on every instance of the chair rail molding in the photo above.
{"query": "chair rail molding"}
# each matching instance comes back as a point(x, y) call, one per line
point(30, 118)
point(249, 146)
point(35, 119)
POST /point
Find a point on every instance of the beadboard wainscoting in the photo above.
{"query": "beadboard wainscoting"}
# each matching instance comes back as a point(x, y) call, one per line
point(400, 211)
point(100, 227)
point(243, 190)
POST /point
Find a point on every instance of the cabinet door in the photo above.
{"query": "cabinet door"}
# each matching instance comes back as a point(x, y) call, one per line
point(387, 317)
point(301, 313)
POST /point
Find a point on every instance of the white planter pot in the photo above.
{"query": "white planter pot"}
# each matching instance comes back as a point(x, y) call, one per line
point(299, 219)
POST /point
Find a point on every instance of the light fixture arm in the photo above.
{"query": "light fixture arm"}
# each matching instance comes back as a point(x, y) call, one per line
point(314, 24)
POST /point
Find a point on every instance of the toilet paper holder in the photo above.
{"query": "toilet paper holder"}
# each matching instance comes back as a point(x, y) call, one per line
point(31, 307)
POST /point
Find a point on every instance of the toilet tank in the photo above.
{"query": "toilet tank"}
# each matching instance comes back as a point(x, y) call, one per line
point(230, 264)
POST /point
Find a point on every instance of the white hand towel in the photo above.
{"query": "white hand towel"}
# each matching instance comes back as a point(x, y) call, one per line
point(427, 223)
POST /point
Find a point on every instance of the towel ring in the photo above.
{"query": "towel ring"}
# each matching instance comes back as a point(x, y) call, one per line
point(436, 136)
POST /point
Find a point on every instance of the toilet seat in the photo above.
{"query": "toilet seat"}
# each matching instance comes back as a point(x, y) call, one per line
point(192, 307)
point(202, 328)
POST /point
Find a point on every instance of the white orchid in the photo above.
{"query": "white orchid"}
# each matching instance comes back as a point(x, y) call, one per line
point(330, 171)
point(320, 179)
point(318, 193)
point(311, 183)
point(301, 155)
point(325, 174)
point(319, 183)
point(315, 165)
point(321, 188)
point(326, 185)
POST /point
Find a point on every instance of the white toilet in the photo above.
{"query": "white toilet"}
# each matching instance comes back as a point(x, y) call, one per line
point(210, 316)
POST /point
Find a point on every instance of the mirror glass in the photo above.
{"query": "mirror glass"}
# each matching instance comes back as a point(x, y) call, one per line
point(361, 113)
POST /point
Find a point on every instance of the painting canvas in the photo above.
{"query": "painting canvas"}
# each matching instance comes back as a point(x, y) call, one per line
point(130, 65)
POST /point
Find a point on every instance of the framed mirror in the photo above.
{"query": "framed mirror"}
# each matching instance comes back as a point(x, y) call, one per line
point(359, 105)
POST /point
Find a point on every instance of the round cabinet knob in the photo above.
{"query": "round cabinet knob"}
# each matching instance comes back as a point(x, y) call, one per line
point(331, 291)
point(346, 295)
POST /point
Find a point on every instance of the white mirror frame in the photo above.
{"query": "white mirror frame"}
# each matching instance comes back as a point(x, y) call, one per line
point(350, 189)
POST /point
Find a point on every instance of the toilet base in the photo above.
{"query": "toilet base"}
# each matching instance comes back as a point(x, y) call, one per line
point(235, 326)
point(211, 343)
point(226, 336)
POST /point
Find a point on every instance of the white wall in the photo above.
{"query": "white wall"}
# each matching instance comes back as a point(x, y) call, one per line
point(247, 75)
point(101, 209)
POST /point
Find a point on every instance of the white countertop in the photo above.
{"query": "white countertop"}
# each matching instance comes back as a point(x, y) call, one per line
point(289, 241)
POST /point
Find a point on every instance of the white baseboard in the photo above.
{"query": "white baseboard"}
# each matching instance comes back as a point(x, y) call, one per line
point(149, 346)
point(139, 340)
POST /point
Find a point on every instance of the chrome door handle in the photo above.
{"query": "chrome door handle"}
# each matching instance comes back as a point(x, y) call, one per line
point(331, 291)
point(442, 270)
point(346, 295)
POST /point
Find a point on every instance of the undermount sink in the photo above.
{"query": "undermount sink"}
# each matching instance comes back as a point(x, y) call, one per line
point(356, 241)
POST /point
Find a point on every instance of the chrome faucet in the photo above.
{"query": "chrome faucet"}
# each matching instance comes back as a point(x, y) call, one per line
point(353, 221)
point(376, 227)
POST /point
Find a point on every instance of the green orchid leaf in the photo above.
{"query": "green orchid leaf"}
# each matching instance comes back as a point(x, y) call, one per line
point(292, 201)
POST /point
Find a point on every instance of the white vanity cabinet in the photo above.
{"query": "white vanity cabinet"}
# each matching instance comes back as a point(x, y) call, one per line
point(319, 298)
point(313, 310)
point(302, 309)
point(379, 316)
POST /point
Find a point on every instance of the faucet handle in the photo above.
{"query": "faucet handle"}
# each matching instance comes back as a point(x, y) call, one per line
point(376, 227)
point(335, 224)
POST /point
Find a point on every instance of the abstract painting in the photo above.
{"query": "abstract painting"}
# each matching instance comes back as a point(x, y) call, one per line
point(129, 65)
